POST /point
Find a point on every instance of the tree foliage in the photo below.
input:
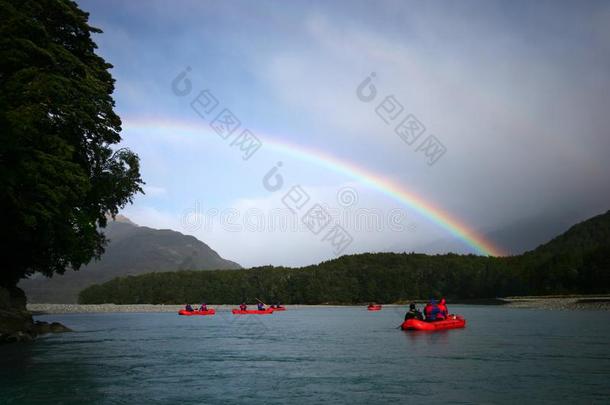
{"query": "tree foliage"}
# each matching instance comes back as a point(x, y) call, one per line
point(576, 262)
point(59, 174)
point(379, 277)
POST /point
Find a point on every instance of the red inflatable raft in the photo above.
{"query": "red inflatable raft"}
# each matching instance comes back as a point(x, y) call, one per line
point(453, 322)
point(190, 313)
point(374, 308)
point(252, 311)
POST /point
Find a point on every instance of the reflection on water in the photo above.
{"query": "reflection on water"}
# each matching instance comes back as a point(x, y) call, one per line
point(340, 355)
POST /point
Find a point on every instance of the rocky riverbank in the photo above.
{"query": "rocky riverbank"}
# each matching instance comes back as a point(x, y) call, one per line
point(16, 323)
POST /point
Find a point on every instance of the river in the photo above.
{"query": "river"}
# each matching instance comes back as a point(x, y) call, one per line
point(313, 355)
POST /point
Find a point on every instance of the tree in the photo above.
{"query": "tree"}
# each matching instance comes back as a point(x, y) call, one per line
point(59, 174)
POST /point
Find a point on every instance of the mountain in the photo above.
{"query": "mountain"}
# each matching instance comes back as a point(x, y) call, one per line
point(576, 261)
point(131, 250)
point(584, 237)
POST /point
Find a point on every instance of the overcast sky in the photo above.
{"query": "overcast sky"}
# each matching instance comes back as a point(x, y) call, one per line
point(516, 93)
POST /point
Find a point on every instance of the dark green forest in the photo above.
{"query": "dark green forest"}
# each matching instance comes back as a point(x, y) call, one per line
point(576, 262)
point(62, 172)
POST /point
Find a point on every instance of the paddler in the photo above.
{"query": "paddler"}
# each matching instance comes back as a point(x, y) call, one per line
point(204, 307)
point(442, 306)
point(188, 307)
point(432, 311)
point(243, 306)
point(261, 306)
point(414, 313)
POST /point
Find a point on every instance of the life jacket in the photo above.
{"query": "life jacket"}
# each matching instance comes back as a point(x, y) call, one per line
point(432, 311)
point(442, 306)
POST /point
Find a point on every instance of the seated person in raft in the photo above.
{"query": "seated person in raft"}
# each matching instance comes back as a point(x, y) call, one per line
point(261, 306)
point(243, 306)
point(433, 312)
point(204, 307)
point(414, 313)
point(442, 306)
point(188, 308)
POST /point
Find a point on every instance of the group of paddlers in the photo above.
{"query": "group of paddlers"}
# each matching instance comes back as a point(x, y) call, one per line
point(433, 311)
point(189, 308)
point(242, 306)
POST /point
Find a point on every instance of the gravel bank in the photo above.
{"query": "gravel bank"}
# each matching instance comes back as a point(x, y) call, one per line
point(550, 303)
point(76, 308)
point(38, 309)
point(599, 303)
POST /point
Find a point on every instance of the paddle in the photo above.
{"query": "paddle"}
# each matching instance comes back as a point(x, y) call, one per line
point(261, 302)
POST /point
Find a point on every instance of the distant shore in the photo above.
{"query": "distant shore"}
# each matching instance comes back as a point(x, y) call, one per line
point(556, 302)
point(41, 309)
point(600, 302)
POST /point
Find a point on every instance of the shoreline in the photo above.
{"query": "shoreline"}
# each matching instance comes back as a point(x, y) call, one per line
point(574, 303)
point(599, 302)
point(45, 309)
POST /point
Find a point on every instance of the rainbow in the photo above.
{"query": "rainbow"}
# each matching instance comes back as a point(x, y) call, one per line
point(375, 181)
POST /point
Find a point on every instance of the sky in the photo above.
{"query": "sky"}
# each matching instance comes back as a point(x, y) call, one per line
point(289, 133)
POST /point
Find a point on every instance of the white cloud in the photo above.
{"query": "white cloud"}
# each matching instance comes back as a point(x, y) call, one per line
point(493, 102)
point(525, 131)
point(258, 231)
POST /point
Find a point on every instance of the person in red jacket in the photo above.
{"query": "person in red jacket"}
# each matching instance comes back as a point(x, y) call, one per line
point(243, 306)
point(432, 311)
point(442, 306)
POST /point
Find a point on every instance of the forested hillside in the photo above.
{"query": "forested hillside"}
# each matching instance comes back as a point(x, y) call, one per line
point(576, 262)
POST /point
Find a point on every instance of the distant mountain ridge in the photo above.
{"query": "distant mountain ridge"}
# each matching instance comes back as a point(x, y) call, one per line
point(583, 237)
point(131, 250)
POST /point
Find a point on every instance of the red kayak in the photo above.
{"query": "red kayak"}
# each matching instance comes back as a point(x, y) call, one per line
point(190, 313)
point(374, 308)
point(252, 311)
point(279, 308)
point(453, 322)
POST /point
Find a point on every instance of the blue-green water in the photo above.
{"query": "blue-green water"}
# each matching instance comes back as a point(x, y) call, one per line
point(314, 355)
